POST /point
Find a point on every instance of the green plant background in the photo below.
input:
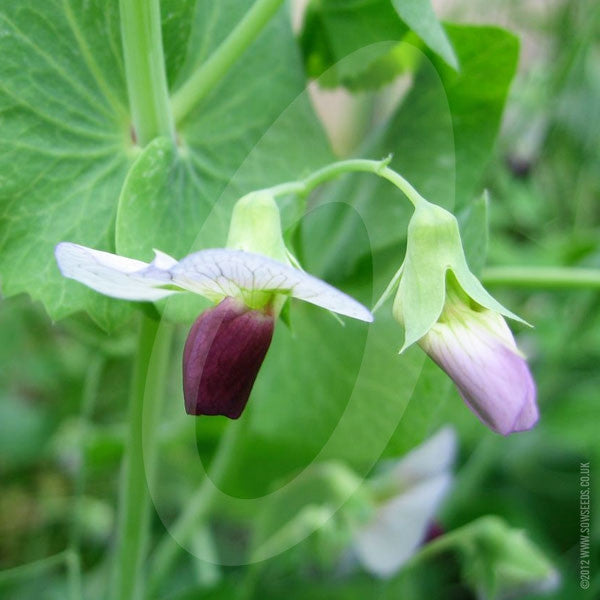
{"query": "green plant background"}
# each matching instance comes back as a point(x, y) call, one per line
point(69, 170)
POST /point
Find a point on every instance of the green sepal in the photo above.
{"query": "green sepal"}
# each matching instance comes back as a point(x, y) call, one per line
point(256, 226)
point(434, 249)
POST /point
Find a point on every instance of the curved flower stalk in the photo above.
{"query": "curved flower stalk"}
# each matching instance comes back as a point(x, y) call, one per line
point(444, 308)
point(408, 494)
point(228, 343)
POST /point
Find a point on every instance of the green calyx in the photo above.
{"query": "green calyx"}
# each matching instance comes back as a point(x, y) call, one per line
point(435, 262)
point(256, 227)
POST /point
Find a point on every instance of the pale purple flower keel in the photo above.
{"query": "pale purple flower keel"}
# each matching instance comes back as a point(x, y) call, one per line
point(477, 350)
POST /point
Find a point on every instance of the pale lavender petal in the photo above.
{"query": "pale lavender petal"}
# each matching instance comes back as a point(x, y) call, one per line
point(490, 374)
point(216, 273)
point(110, 274)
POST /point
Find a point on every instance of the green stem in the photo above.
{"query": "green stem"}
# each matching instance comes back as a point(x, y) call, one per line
point(145, 70)
point(218, 63)
point(197, 507)
point(33, 569)
point(74, 575)
point(250, 580)
point(380, 168)
point(89, 396)
point(147, 388)
point(454, 540)
point(543, 277)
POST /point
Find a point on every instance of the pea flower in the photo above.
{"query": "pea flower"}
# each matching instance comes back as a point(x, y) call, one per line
point(445, 308)
point(249, 282)
point(408, 493)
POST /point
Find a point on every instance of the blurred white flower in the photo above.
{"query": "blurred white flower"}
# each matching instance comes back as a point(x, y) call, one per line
point(410, 493)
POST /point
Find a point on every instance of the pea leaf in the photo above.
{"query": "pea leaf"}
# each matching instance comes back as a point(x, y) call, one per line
point(473, 222)
point(419, 16)
point(335, 30)
point(356, 43)
point(64, 148)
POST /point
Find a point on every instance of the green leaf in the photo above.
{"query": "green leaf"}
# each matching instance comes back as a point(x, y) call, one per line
point(63, 149)
point(23, 432)
point(419, 16)
point(340, 29)
point(324, 500)
point(474, 226)
point(177, 18)
point(159, 201)
point(488, 57)
point(66, 149)
point(356, 43)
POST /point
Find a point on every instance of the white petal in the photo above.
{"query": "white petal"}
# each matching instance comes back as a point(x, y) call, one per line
point(221, 272)
point(110, 274)
point(162, 260)
point(400, 526)
point(432, 457)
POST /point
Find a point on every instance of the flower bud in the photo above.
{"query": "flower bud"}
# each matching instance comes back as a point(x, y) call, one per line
point(502, 562)
point(444, 308)
point(222, 356)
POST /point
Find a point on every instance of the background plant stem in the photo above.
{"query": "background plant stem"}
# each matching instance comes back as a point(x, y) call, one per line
point(218, 63)
point(543, 277)
point(147, 388)
point(197, 507)
point(145, 70)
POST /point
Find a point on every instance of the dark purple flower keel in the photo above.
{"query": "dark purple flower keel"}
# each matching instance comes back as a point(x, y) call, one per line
point(223, 353)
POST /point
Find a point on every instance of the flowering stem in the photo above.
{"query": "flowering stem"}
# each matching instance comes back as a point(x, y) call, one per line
point(34, 569)
point(303, 187)
point(89, 396)
point(145, 70)
point(543, 277)
point(216, 66)
point(147, 387)
point(452, 540)
point(197, 507)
